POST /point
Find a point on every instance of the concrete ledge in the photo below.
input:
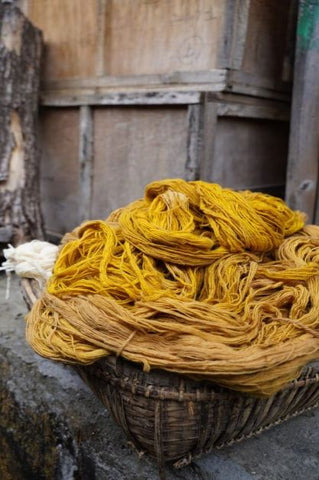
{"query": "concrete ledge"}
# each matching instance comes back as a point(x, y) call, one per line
point(53, 427)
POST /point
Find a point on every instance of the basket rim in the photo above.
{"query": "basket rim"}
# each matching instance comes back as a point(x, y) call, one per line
point(110, 369)
point(204, 390)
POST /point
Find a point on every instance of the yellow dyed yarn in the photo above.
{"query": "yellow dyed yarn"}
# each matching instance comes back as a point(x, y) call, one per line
point(194, 279)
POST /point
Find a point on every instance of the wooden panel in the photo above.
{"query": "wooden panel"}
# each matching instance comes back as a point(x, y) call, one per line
point(70, 34)
point(60, 185)
point(168, 42)
point(112, 97)
point(249, 153)
point(86, 161)
point(302, 175)
point(266, 38)
point(134, 146)
point(160, 36)
point(195, 117)
point(235, 31)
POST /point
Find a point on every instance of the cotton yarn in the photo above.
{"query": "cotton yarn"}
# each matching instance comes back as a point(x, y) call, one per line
point(194, 279)
point(33, 259)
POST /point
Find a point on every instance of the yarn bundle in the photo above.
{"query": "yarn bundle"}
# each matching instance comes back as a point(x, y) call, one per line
point(193, 278)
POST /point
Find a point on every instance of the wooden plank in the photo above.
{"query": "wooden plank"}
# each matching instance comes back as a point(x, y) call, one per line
point(240, 81)
point(60, 168)
point(249, 153)
point(165, 36)
point(265, 48)
point(239, 37)
point(213, 81)
point(216, 78)
point(231, 105)
point(209, 138)
point(235, 31)
point(279, 112)
point(236, 84)
point(70, 31)
point(302, 172)
point(228, 104)
point(233, 98)
point(86, 162)
point(225, 45)
point(289, 54)
point(101, 32)
point(132, 147)
point(243, 84)
point(57, 99)
point(238, 151)
point(170, 42)
point(195, 117)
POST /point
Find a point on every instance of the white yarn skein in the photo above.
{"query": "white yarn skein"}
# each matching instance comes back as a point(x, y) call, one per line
point(33, 259)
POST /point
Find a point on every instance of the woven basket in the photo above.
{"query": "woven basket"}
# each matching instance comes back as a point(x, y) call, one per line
point(174, 418)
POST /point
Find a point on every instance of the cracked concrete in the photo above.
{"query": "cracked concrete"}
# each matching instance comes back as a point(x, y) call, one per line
point(53, 427)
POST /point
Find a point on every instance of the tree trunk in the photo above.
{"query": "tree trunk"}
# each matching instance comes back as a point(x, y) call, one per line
point(20, 55)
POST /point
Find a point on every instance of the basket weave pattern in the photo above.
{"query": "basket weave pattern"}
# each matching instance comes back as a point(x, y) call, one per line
point(174, 418)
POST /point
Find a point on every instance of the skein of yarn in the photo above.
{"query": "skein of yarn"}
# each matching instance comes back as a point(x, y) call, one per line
point(195, 279)
point(33, 259)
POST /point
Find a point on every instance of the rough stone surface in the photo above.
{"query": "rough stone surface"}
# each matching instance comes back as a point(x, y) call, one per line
point(53, 427)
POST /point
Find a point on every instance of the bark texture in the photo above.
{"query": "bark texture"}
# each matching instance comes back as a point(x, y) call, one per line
point(20, 56)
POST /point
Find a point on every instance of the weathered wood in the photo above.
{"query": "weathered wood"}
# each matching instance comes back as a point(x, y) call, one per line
point(148, 97)
point(168, 41)
point(165, 35)
point(262, 39)
point(20, 52)
point(194, 141)
point(280, 111)
point(250, 154)
point(239, 152)
point(190, 30)
point(229, 97)
point(302, 172)
point(289, 54)
point(101, 34)
point(239, 38)
point(76, 94)
point(86, 161)
point(225, 45)
point(218, 140)
point(132, 147)
point(265, 46)
point(216, 78)
point(60, 169)
point(209, 138)
point(240, 82)
point(70, 30)
point(258, 108)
